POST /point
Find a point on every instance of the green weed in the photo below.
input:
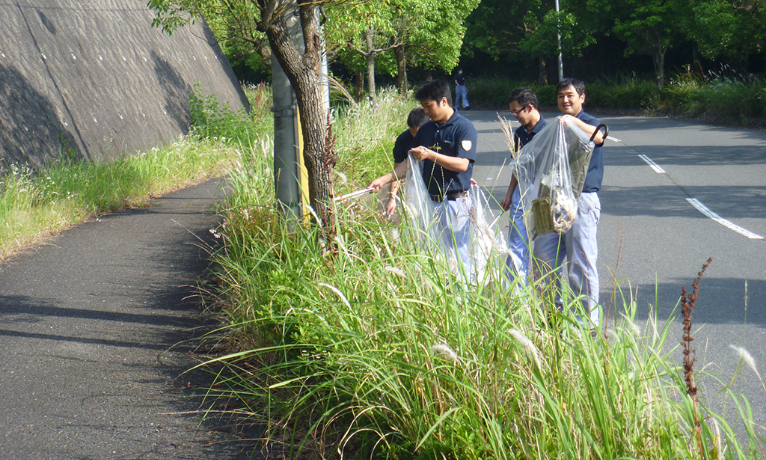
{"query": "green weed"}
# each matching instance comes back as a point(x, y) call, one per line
point(36, 203)
point(378, 350)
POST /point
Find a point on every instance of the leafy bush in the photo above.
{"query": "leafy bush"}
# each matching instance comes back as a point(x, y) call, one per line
point(209, 119)
point(729, 98)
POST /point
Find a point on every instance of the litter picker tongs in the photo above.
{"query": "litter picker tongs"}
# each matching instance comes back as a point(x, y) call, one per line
point(352, 195)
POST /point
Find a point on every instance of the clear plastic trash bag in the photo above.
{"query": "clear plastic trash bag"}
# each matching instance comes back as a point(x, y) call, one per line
point(551, 172)
point(486, 246)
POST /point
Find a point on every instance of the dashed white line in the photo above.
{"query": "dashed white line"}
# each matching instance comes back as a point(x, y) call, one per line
point(708, 213)
point(652, 164)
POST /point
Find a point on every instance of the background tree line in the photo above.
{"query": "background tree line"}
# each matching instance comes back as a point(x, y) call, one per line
point(397, 41)
point(604, 38)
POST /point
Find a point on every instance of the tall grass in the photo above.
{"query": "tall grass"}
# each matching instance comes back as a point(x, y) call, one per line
point(366, 134)
point(36, 203)
point(380, 351)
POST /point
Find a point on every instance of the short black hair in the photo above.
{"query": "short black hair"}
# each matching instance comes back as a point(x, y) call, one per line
point(578, 85)
point(435, 90)
point(524, 97)
point(417, 118)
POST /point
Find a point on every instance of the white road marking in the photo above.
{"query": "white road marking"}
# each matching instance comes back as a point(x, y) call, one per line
point(708, 213)
point(614, 139)
point(652, 164)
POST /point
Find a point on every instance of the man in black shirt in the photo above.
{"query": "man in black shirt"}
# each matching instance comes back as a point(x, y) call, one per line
point(461, 92)
point(402, 146)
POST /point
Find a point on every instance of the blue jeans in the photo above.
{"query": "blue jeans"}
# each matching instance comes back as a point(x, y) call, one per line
point(461, 91)
point(518, 242)
point(580, 247)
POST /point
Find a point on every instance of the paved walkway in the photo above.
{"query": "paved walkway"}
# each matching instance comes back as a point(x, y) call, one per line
point(86, 325)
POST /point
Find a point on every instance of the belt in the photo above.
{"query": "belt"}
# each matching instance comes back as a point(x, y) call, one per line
point(451, 196)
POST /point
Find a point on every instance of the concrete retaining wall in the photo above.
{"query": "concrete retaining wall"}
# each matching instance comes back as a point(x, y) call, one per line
point(93, 78)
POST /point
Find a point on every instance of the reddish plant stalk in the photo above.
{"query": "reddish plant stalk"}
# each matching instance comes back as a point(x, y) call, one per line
point(687, 307)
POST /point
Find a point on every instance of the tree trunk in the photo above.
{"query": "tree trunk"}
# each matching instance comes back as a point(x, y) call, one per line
point(401, 65)
point(303, 73)
point(658, 60)
point(358, 86)
point(264, 50)
point(542, 76)
point(370, 60)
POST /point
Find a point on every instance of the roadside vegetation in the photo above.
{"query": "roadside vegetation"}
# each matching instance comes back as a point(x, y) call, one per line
point(353, 342)
point(724, 96)
point(37, 203)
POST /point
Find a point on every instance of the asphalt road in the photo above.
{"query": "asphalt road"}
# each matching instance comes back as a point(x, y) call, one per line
point(653, 239)
point(93, 327)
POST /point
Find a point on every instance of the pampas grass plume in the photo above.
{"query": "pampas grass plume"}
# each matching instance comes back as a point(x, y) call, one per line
point(444, 351)
point(396, 271)
point(745, 356)
point(526, 344)
point(337, 292)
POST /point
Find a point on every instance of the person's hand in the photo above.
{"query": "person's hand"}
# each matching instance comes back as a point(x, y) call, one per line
point(565, 118)
point(377, 184)
point(474, 183)
point(391, 206)
point(507, 201)
point(422, 153)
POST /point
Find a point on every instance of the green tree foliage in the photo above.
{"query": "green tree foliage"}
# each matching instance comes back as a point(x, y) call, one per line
point(727, 29)
point(438, 37)
point(366, 29)
point(527, 30)
point(647, 27)
point(423, 33)
point(270, 17)
point(233, 22)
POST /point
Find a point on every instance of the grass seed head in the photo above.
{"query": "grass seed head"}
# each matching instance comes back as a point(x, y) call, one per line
point(445, 352)
point(337, 292)
point(396, 271)
point(526, 344)
point(745, 356)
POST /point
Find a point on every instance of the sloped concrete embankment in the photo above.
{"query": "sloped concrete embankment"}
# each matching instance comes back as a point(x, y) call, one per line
point(95, 80)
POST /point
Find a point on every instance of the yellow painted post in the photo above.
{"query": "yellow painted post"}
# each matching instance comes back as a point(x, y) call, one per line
point(304, 174)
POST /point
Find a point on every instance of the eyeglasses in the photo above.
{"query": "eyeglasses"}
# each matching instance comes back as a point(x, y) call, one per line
point(516, 113)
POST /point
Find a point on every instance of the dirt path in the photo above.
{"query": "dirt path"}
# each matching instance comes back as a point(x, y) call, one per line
point(87, 322)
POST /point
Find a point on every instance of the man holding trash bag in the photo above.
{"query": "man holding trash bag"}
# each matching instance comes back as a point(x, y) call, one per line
point(416, 118)
point(578, 244)
point(446, 147)
point(524, 107)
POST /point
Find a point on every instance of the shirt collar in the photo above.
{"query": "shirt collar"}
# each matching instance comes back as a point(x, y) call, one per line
point(539, 126)
point(452, 119)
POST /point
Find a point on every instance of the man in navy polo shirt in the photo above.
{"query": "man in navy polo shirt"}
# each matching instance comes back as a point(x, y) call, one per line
point(446, 146)
point(416, 118)
point(524, 107)
point(579, 243)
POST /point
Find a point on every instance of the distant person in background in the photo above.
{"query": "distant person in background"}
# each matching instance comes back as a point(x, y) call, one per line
point(524, 107)
point(578, 244)
point(461, 92)
point(402, 146)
